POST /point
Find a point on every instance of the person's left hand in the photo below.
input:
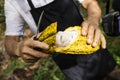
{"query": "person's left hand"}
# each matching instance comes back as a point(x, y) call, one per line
point(91, 29)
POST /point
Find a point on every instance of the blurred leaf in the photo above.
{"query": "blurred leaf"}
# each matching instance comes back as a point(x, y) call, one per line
point(16, 64)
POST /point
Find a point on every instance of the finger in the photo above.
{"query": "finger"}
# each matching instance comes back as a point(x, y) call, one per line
point(90, 35)
point(28, 58)
point(34, 53)
point(84, 28)
point(96, 38)
point(38, 44)
point(103, 41)
point(38, 35)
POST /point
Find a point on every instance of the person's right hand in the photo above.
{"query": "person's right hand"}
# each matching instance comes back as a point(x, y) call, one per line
point(29, 53)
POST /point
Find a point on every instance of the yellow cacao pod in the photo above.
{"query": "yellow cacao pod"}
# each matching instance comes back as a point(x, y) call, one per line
point(69, 41)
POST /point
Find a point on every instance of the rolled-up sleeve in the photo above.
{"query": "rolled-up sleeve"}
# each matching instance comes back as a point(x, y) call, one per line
point(14, 22)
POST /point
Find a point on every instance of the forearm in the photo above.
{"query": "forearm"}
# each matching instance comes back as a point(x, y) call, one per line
point(93, 10)
point(12, 45)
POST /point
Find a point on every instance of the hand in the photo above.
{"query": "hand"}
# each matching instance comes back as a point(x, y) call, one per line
point(28, 52)
point(93, 33)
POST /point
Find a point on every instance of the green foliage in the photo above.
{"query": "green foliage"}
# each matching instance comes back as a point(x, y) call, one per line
point(2, 18)
point(16, 64)
point(113, 44)
point(48, 70)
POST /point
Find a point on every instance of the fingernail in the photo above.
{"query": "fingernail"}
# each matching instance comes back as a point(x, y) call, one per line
point(103, 47)
point(94, 44)
point(89, 40)
point(83, 33)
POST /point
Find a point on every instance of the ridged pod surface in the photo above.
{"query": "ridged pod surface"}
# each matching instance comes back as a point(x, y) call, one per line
point(77, 46)
point(49, 31)
point(48, 36)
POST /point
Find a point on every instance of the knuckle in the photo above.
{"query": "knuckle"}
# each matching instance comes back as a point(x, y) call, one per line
point(41, 54)
point(23, 50)
point(98, 30)
point(24, 56)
